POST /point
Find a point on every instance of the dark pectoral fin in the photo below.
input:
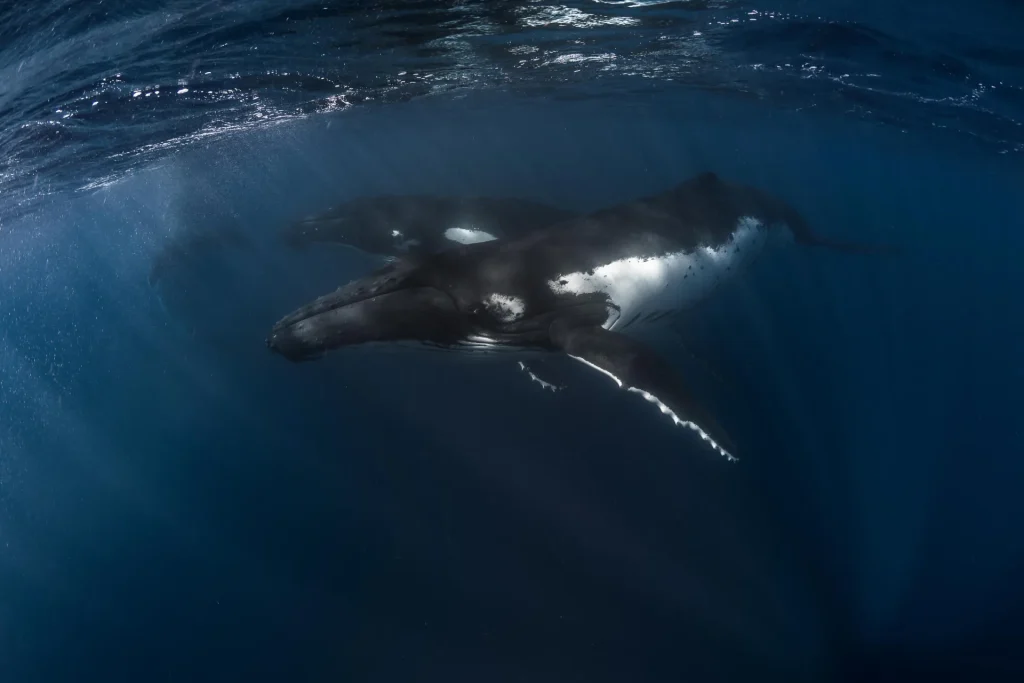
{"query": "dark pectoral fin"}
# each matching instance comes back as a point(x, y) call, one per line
point(636, 368)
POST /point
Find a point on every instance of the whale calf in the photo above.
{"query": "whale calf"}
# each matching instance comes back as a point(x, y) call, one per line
point(400, 225)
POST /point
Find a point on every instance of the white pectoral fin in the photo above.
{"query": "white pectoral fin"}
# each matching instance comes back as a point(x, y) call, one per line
point(636, 368)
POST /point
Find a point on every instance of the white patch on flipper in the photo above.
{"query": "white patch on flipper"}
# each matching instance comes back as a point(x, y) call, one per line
point(468, 235)
point(667, 411)
point(642, 287)
point(599, 369)
point(534, 378)
point(481, 341)
point(685, 423)
point(505, 308)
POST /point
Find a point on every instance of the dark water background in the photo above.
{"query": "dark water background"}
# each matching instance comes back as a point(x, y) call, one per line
point(178, 505)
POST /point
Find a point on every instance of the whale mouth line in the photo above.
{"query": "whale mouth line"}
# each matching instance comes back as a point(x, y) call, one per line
point(359, 315)
point(353, 293)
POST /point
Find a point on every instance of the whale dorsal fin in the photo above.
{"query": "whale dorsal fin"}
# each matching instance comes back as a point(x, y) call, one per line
point(706, 183)
point(638, 369)
point(707, 178)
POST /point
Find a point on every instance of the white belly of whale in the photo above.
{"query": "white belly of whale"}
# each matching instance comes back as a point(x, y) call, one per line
point(647, 288)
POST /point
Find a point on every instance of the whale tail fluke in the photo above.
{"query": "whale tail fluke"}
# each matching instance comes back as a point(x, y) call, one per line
point(710, 192)
point(812, 240)
point(803, 234)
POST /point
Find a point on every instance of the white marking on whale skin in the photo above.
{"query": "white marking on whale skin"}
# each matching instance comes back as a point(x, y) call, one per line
point(534, 378)
point(468, 235)
point(599, 369)
point(642, 287)
point(505, 308)
point(480, 341)
point(667, 411)
point(686, 423)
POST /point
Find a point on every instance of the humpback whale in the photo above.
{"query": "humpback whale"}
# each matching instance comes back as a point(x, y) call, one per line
point(399, 225)
point(584, 287)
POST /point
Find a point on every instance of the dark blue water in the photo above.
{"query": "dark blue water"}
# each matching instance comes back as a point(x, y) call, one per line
point(176, 504)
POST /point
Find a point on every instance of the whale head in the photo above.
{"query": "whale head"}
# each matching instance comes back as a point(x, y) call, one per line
point(389, 305)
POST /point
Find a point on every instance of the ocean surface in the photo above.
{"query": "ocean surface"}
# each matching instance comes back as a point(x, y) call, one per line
point(178, 504)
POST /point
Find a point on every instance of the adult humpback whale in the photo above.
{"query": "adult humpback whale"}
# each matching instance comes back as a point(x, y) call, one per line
point(583, 288)
point(397, 225)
